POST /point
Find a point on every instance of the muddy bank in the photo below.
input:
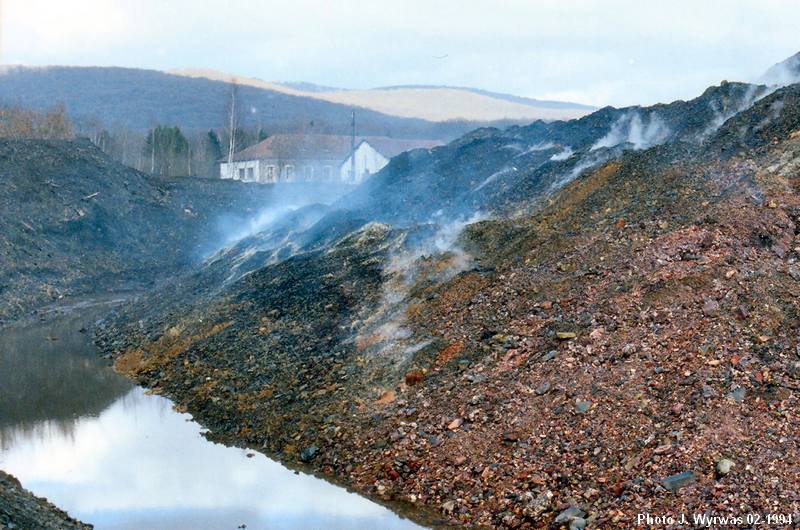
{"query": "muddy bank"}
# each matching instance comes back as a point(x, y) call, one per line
point(20, 509)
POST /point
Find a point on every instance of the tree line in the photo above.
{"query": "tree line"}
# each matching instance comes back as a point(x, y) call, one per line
point(163, 150)
point(19, 123)
point(169, 151)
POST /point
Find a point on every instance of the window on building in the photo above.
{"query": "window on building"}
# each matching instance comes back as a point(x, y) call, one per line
point(250, 173)
point(289, 172)
point(241, 173)
point(308, 172)
point(327, 173)
point(270, 173)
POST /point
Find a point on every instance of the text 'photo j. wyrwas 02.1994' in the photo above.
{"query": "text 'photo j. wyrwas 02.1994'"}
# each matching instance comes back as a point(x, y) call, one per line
point(399, 264)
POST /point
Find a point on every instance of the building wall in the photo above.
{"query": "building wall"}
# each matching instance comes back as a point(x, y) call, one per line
point(270, 170)
point(246, 171)
point(274, 170)
point(367, 162)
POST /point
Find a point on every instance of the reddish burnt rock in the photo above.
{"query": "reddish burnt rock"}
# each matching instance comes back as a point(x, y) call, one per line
point(450, 352)
point(664, 389)
point(414, 377)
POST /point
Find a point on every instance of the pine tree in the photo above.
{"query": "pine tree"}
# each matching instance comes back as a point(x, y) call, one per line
point(168, 150)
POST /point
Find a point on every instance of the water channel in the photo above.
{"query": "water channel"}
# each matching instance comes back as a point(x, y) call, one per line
point(99, 447)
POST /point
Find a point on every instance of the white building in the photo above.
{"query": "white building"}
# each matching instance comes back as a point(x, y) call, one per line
point(316, 157)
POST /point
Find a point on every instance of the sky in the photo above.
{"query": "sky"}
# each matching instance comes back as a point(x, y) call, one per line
point(617, 52)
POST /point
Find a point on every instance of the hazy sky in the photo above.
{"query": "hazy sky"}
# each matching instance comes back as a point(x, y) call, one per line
point(600, 52)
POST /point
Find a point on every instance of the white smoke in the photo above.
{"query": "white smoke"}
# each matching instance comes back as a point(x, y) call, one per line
point(384, 330)
point(783, 74)
point(773, 114)
point(631, 129)
point(258, 223)
point(587, 161)
point(563, 154)
point(721, 115)
point(514, 147)
point(494, 176)
point(541, 146)
point(444, 240)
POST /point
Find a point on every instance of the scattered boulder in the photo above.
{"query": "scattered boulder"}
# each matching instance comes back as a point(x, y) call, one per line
point(724, 466)
point(536, 506)
point(738, 394)
point(711, 308)
point(455, 424)
point(308, 454)
point(572, 517)
point(542, 389)
point(578, 523)
point(675, 482)
point(387, 397)
point(414, 377)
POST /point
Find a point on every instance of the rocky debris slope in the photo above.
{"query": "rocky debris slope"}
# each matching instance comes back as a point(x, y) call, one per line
point(627, 346)
point(637, 338)
point(488, 172)
point(74, 222)
point(505, 171)
point(20, 509)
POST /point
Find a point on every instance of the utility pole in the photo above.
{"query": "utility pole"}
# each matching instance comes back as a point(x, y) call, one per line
point(232, 135)
point(353, 146)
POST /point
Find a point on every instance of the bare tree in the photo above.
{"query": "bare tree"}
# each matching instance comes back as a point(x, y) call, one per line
point(17, 122)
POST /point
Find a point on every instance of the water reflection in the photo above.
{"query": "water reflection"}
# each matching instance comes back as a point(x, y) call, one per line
point(49, 375)
point(121, 459)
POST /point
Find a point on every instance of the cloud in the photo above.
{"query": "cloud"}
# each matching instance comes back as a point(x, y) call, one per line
point(618, 52)
point(59, 29)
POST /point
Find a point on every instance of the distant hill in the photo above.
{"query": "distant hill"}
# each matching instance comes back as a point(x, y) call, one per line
point(428, 102)
point(543, 103)
point(308, 87)
point(139, 99)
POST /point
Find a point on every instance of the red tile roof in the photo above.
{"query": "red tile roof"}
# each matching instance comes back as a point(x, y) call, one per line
point(325, 147)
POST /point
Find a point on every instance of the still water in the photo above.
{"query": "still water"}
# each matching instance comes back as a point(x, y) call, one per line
point(95, 445)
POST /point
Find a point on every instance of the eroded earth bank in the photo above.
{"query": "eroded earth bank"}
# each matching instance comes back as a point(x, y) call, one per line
point(619, 336)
